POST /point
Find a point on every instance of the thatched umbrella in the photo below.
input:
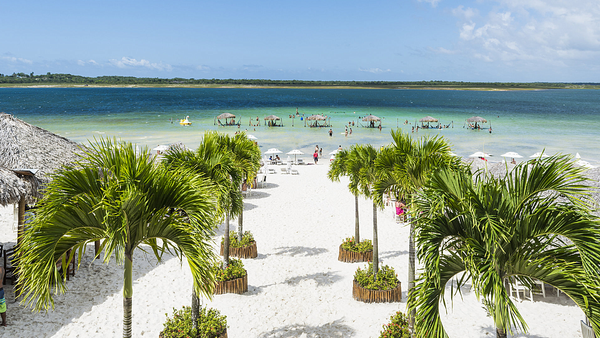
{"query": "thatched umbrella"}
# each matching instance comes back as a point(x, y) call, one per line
point(428, 119)
point(25, 147)
point(370, 118)
point(477, 119)
point(272, 118)
point(316, 117)
point(15, 186)
point(225, 116)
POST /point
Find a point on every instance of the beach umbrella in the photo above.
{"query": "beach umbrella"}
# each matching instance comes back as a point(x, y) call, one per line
point(577, 155)
point(316, 117)
point(225, 116)
point(272, 118)
point(17, 184)
point(538, 154)
point(511, 154)
point(453, 154)
point(480, 154)
point(477, 119)
point(161, 148)
point(428, 119)
point(251, 137)
point(273, 151)
point(32, 151)
point(370, 118)
point(334, 152)
point(295, 152)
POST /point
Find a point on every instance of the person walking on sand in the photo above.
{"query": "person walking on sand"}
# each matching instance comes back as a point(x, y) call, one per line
point(2, 299)
point(316, 156)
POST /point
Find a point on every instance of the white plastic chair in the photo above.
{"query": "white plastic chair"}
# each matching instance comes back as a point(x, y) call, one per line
point(516, 287)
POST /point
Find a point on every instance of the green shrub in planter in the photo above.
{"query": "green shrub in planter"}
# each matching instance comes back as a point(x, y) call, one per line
point(234, 270)
point(247, 239)
point(387, 278)
point(211, 324)
point(397, 328)
point(365, 246)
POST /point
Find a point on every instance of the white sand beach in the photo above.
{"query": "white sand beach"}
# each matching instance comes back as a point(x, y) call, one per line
point(297, 287)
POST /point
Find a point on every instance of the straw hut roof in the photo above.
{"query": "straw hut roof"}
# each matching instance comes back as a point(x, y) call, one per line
point(272, 117)
point(371, 118)
point(428, 119)
point(225, 116)
point(316, 117)
point(477, 119)
point(25, 146)
point(14, 186)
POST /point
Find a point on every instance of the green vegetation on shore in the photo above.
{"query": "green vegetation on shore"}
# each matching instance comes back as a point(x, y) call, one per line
point(68, 80)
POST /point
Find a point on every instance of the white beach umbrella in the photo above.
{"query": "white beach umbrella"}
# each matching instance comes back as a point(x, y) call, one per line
point(251, 137)
point(161, 147)
point(538, 154)
point(273, 151)
point(334, 152)
point(480, 154)
point(295, 152)
point(511, 154)
point(577, 155)
point(453, 154)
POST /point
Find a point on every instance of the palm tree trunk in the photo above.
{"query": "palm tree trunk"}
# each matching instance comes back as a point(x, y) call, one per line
point(240, 226)
point(356, 228)
point(411, 271)
point(375, 245)
point(226, 242)
point(127, 295)
point(500, 333)
point(195, 309)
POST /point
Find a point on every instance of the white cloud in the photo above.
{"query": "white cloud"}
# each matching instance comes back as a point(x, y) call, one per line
point(203, 67)
point(18, 60)
point(552, 32)
point(465, 13)
point(374, 70)
point(126, 62)
point(432, 2)
point(83, 63)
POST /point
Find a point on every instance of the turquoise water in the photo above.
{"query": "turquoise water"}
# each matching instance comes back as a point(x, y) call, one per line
point(565, 121)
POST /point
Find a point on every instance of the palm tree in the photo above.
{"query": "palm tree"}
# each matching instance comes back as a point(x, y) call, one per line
point(341, 167)
point(212, 161)
point(361, 162)
point(246, 157)
point(533, 223)
point(404, 168)
point(123, 198)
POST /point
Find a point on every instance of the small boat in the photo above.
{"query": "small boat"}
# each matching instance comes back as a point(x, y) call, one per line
point(185, 122)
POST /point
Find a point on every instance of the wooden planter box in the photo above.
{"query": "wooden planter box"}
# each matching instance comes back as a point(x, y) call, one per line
point(376, 296)
point(352, 257)
point(244, 252)
point(238, 285)
point(222, 335)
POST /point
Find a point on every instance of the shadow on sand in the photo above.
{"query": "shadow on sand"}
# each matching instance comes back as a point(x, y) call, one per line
point(299, 251)
point(336, 328)
point(93, 283)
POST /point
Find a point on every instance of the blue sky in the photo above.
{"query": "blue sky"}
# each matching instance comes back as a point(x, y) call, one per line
point(402, 40)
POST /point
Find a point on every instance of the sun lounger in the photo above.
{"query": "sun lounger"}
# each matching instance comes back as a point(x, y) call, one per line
point(294, 171)
point(299, 161)
point(284, 171)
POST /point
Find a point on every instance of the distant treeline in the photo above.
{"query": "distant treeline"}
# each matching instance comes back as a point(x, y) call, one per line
point(68, 79)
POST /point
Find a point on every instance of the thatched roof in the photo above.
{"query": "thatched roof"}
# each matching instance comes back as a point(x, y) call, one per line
point(428, 119)
point(316, 117)
point(371, 118)
point(14, 186)
point(25, 146)
point(272, 117)
point(477, 119)
point(225, 116)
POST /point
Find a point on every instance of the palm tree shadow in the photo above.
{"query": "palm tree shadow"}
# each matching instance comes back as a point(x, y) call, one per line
point(257, 194)
point(249, 206)
point(299, 251)
point(320, 278)
point(336, 328)
point(487, 331)
point(94, 282)
point(391, 254)
point(268, 185)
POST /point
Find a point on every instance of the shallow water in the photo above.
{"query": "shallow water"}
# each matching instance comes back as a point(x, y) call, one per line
point(565, 121)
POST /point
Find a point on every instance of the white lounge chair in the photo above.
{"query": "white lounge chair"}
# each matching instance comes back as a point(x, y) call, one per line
point(294, 171)
point(516, 287)
point(261, 179)
point(284, 171)
point(587, 331)
point(299, 161)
